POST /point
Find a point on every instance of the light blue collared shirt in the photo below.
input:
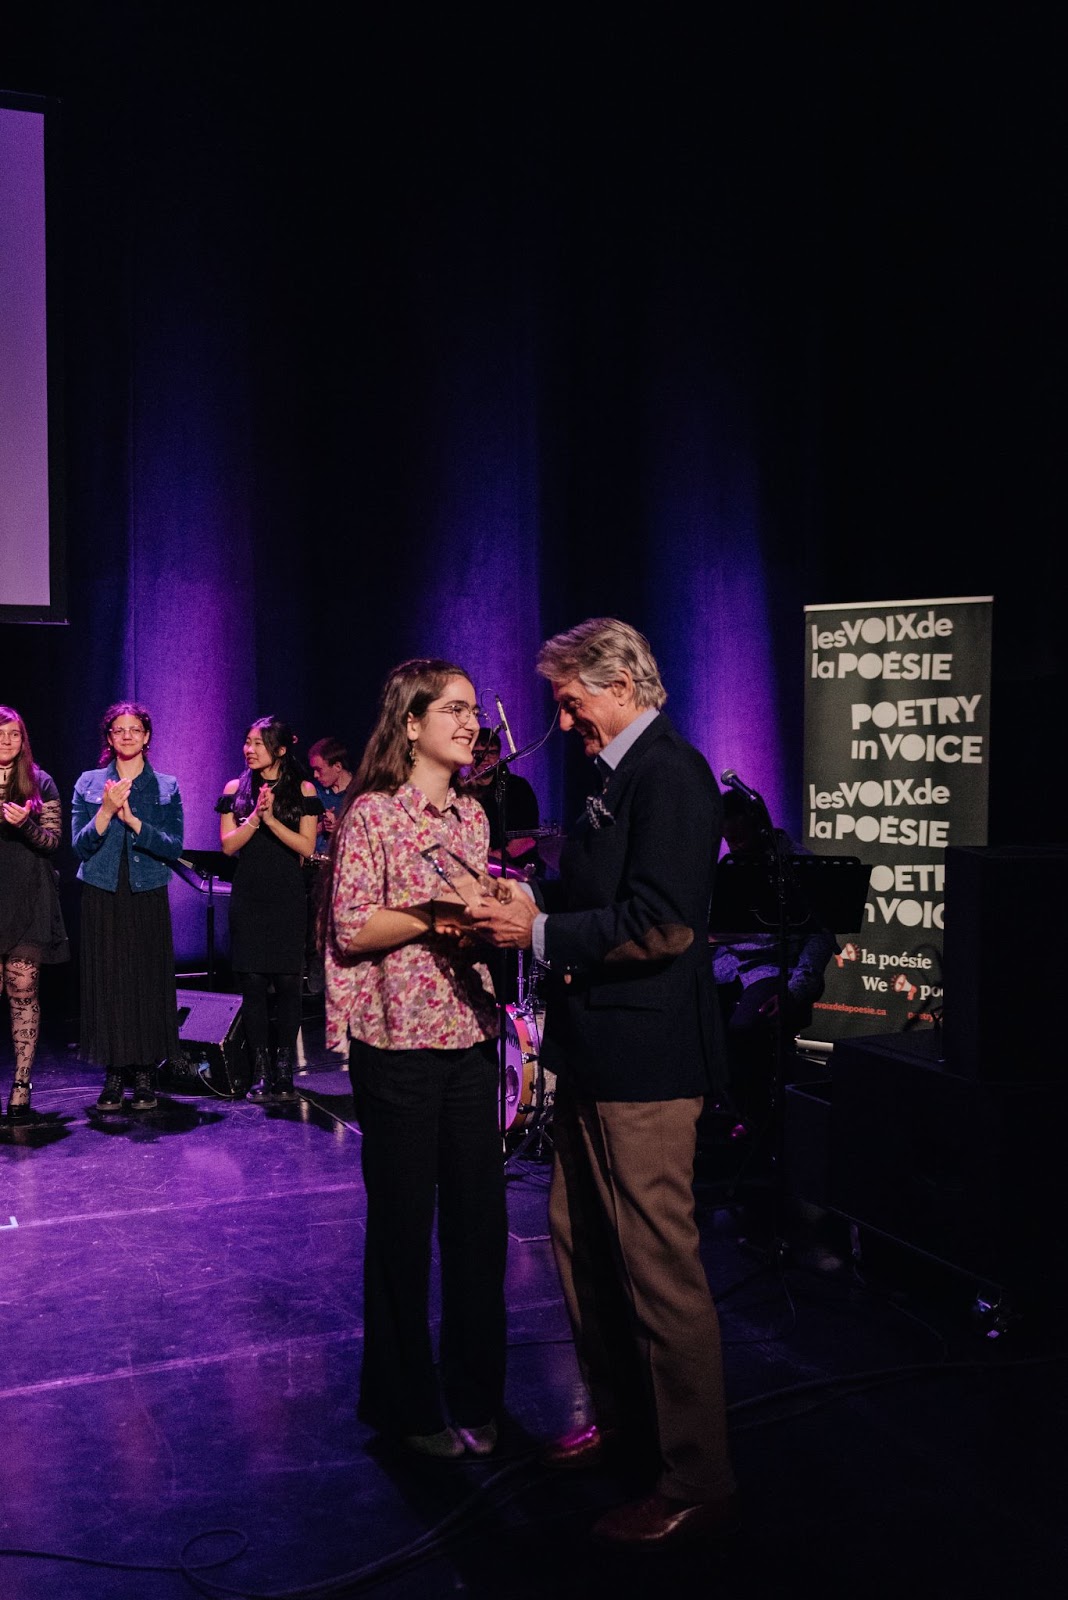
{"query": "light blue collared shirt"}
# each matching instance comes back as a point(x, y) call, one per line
point(611, 756)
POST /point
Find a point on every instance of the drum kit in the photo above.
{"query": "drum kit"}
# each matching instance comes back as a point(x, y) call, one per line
point(528, 1090)
point(529, 1087)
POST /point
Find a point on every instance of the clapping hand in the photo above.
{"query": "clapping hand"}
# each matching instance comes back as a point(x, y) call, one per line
point(117, 798)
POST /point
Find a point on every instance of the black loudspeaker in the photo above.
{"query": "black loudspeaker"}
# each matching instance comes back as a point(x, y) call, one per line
point(969, 1173)
point(214, 1051)
point(1003, 962)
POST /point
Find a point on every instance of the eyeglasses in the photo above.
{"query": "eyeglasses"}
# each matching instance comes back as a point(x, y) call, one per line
point(125, 733)
point(15, 737)
point(461, 711)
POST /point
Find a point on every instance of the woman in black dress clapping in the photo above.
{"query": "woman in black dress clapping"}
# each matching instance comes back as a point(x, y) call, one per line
point(268, 819)
point(31, 923)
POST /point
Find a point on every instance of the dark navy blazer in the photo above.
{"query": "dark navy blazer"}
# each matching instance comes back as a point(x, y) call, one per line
point(628, 920)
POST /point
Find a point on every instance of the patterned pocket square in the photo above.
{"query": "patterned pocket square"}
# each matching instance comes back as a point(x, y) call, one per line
point(598, 812)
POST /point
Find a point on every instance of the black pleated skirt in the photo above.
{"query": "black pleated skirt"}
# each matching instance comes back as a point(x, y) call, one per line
point(129, 1009)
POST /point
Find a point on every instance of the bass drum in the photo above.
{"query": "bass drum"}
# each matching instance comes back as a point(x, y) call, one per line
point(522, 1031)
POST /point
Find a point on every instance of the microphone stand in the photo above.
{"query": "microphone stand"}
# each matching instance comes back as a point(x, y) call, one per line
point(774, 853)
point(500, 801)
point(824, 894)
point(500, 769)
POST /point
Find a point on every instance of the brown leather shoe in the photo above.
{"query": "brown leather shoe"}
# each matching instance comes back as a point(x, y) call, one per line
point(585, 1447)
point(658, 1521)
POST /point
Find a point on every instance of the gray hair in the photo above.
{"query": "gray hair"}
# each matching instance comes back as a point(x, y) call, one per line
point(596, 652)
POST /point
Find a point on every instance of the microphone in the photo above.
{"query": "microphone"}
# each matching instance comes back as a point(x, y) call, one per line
point(484, 768)
point(732, 780)
point(504, 725)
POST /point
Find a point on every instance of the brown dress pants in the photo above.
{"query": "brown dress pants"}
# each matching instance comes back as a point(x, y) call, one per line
point(621, 1214)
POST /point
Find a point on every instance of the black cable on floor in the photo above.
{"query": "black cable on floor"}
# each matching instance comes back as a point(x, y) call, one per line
point(457, 1524)
point(488, 1497)
point(182, 1567)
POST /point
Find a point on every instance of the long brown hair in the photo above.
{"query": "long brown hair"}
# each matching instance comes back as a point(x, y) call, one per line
point(407, 692)
point(385, 765)
point(24, 786)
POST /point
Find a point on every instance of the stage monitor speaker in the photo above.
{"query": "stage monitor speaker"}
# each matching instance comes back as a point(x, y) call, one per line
point(1003, 962)
point(969, 1173)
point(214, 1050)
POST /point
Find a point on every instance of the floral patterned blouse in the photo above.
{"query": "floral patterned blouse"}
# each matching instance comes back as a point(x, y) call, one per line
point(427, 994)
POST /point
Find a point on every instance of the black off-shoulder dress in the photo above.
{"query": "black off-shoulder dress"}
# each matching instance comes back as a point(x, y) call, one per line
point(269, 898)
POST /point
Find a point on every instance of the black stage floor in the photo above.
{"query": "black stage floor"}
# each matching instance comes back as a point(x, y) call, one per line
point(182, 1318)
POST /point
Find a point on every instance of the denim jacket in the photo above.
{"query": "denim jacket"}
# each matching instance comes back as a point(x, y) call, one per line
point(155, 800)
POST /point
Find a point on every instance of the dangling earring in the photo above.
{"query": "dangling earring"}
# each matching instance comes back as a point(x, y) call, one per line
point(411, 753)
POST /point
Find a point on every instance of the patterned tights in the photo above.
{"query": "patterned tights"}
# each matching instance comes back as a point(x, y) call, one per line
point(20, 986)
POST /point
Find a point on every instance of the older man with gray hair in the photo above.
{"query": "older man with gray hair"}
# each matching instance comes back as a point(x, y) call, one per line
point(631, 1030)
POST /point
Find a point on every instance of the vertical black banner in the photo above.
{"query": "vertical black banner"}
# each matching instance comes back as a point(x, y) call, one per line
point(897, 734)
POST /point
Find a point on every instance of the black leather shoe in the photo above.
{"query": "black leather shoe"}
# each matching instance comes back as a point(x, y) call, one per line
point(284, 1092)
point(262, 1089)
point(144, 1095)
point(110, 1097)
point(657, 1522)
point(19, 1108)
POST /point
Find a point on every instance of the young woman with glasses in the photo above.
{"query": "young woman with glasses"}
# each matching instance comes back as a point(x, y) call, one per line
point(31, 922)
point(412, 1002)
point(268, 819)
point(127, 829)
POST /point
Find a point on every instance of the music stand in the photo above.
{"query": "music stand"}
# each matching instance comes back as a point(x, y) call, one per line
point(771, 891)
point(209, 872)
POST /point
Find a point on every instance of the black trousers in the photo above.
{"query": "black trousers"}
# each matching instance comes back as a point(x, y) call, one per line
point(429, 1120)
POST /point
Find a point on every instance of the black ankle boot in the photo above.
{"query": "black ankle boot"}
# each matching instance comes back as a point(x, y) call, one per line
point(284, 1091)
point(262, 1076)
point(18, 1105)
point(111, 1094)
point(144, 1095)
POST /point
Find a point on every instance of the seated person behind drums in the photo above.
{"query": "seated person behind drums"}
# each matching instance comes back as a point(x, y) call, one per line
point(520, 804)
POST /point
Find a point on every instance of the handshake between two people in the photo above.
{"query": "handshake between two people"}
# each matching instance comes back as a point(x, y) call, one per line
point(498, 912)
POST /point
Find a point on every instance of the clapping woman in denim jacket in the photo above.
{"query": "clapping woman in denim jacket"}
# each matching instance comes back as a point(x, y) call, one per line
point(127, 829)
